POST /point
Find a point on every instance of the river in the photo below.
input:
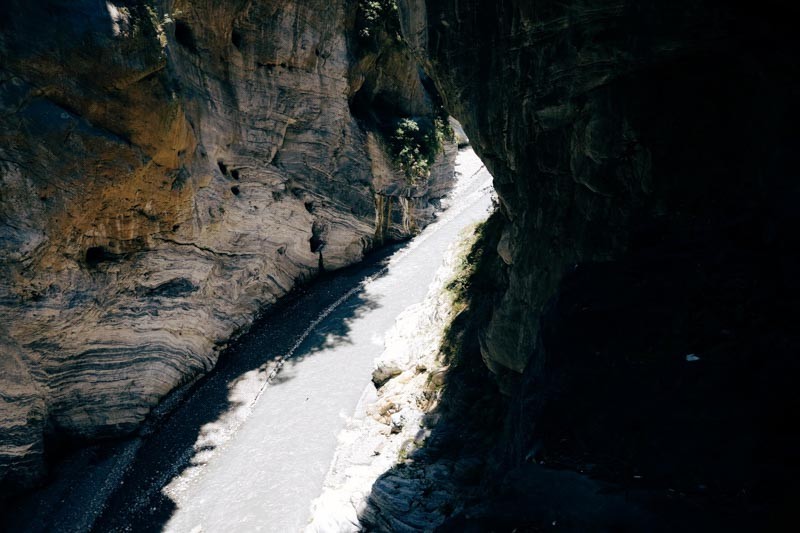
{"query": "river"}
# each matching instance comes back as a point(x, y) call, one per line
point(247, 447)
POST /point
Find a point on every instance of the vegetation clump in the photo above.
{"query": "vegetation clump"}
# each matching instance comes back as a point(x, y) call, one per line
point(373, 14)
point(415, 143)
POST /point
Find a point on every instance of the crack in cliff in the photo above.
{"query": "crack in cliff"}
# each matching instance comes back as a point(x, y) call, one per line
point(205, 248)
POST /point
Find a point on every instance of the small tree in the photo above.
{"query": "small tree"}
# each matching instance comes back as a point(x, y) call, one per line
point(415, 143)
point(373, 14)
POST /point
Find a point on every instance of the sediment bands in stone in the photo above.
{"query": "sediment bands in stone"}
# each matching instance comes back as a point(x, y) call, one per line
point(165, 174)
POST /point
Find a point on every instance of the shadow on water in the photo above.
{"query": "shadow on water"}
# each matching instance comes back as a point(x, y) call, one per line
point(175, 443)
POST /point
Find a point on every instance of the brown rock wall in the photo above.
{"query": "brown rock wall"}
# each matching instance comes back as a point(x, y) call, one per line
point(166, 170)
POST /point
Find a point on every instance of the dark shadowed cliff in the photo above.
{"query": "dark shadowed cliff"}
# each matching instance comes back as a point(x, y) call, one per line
point(636, 310)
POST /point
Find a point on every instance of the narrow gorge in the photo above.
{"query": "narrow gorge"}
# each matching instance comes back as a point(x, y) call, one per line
point(615, 352)
point(169, 170)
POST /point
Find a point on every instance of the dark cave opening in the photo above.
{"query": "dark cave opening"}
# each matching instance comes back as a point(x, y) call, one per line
point(316, 242)
point(185, 37)
point(96, 255)
point(374, 109)
point(236, 39)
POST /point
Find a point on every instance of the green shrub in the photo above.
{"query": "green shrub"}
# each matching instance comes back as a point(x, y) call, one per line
point(415, 143)
point(373, 14)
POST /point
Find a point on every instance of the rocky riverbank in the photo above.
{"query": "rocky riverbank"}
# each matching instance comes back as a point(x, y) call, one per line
point(395, 415)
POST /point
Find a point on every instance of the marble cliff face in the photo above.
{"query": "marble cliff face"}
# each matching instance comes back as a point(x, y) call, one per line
point(170, 167)
point(166, 170)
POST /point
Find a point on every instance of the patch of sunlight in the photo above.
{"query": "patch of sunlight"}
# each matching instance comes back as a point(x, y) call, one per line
point(120, 19)
point(212, 436)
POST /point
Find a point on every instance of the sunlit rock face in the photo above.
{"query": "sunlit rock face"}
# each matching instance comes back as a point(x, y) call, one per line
point(167, 169)
point(643, 156)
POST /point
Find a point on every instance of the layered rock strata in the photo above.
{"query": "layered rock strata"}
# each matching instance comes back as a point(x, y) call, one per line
point(167, 169)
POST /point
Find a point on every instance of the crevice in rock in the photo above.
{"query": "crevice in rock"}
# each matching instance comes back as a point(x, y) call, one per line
point(204, 248)
point(96, 255)
point(316, 242)
point(237, 39)
point(174, 288)
point(180, 178)
point(184, 36)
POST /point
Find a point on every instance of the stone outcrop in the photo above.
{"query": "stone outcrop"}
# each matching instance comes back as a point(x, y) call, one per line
point(167, 169)
point(595, 119)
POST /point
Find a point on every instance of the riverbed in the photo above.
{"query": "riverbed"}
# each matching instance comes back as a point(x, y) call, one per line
point(247, 447)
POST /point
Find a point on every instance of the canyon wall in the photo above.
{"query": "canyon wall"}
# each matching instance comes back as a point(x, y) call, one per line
point(643, 154)
point(169, 168)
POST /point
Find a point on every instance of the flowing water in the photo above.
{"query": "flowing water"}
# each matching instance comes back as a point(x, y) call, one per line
point(247, 447)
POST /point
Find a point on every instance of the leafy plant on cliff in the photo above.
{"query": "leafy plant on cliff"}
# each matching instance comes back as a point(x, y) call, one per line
point(413, 149)
point(373, 14)
point(443, 129)
point(415, 143)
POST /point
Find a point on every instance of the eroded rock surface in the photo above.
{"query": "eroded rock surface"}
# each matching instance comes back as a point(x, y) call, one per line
point(642, 157)
point(167, 169)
